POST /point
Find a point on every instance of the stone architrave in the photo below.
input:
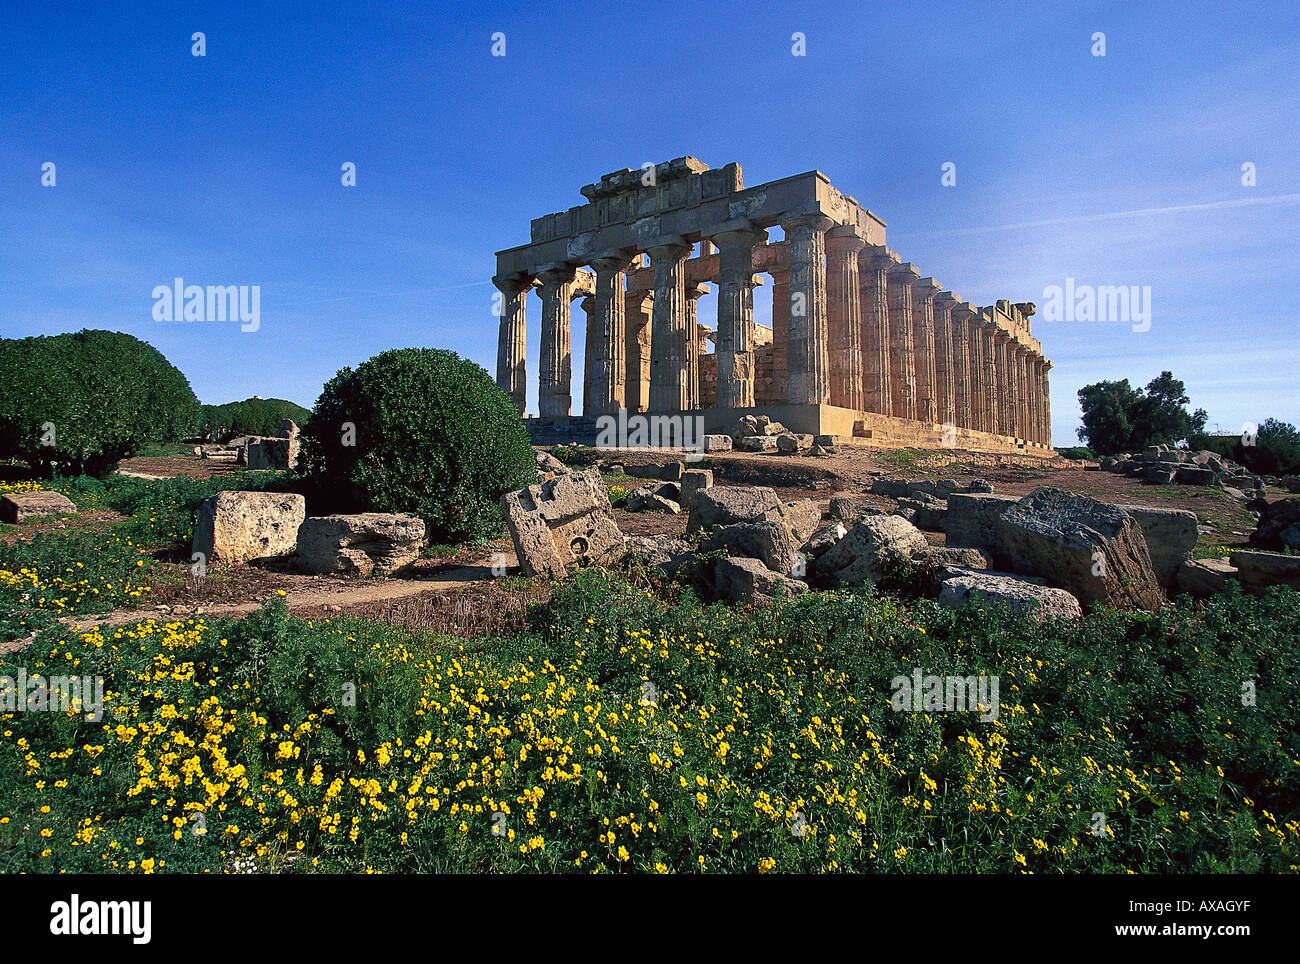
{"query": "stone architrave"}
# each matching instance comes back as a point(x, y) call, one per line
point(844, 317)
point(807, 352)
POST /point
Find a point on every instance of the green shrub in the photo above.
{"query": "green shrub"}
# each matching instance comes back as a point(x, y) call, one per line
point(252, 416)
point(79, 403)
point(417, 430)
point(1077, 452)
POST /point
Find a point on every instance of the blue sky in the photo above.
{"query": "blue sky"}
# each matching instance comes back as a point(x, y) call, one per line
point(225, 169)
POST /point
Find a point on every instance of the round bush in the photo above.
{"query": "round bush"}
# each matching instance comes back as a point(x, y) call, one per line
point(79, 403)
point(417, 430)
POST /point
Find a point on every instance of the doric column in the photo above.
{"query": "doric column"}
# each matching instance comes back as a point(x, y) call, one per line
point(923, 342)
point(636, 390)
point(993, 385)
point(1047, 403)
point(1026, 422)
point(780, 333)
point(607, 341)
point(668, 336)
point(807, 352)
point(874, 264)
point(512, 367)
point(975, 349)
point(591, 349)
point(902, 347)
point(948, 364)
point(844, 317)
point(963, 363)
point(693, 294)
point(1010, 396)
point(555, 374)
point(735, 333)
point(947, 313)
point(1006, 385)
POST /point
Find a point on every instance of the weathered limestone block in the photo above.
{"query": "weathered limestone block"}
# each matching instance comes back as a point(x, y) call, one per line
point(693, 480)
point(1259, 570)
point(1025, 598)
point(725, 504)
point(792, 443)
point(745, 426)
point(871, 549)
point(1195, 475)
point(757, 443)
point(973, 520)
point(548, 464)
point(802, 518)
point(1096, 551)
point(1204, 577)
point(939, 556)
point(891, 488)
point(823, 539)
point(717, 443)
point(769, 541)
point(844, 507)
point(1279, 526)
point(565, 521)
point(241, 526)
point(748, 581)
point(925, 513)
point(1170, 536)
point(655, 497)
point(276, 453)
point(663, 553)
point(19, 506)
point(364, 543)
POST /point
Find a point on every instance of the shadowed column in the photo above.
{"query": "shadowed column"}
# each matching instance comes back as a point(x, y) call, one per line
point(693, 294)
point(668, 336)
point(637, 320)
point(606, 365)
point(902, 347)
point(807, 352)
point(844, 317)
point(555, 375)
point(949, 367)
point(735, 332)
point(923, 342)
point(992, 386)
point(512, 366)
point(873, 267)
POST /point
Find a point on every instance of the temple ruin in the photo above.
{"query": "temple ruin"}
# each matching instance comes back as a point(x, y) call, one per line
point(862, 345)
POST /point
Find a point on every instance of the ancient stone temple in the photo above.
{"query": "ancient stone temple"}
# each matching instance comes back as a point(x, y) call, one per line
point(862, 345)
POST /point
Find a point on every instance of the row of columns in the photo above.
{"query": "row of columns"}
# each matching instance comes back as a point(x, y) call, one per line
point(853, 326)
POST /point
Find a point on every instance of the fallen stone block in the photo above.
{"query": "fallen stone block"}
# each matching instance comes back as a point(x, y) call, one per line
point(973, 520)
point(717, 443)
point(956, 556)
point(891, 488)
point(20, 506)
point(663, 553)
point(693, 480)
point(1203, 577)
point(802, 518)
point(756, 443)
point(748, 581)
point(1025, 598)
point(1279, 526)
point(548, 464)
point(725, 504)
point(655, 497)
point(566, 521)
point(872, 549)
point(1195, 475)
point(1170, 535)
point(1259, 570)
point(768, 541)
point(823, 539)
point(1096, 551)
point(844, 507)
point(243, 526)
point(793, 444)
point(363, 544)
point(927, 513)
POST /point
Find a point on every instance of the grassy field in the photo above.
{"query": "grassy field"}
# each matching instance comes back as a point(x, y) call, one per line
point(627, 729)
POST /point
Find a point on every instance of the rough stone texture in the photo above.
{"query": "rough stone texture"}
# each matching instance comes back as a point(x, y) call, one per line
point(725, 504)
point(1195, 475)
point(973, 520)
point(927, 513)
point(769, 541)
point(757, 443)
point(694, 480)
point(748, 581)
point(953, 556)
point(891, 488)
point(1279, 526)
point(365, 543)
point(276, 453)
point(18, 506)
point(548, 464)
point(565, 521)
point(655, 497)
point(794, 444)
point(1170, 536)
point(823, 539)
point(1259, 570)
point(1203, 577)
point(242, 526)
point(745, 426)
point(1025, 598)
point(1096, 551)
point(664, 553)
point(717, 443)
point(843, 507)
point(871, 548)
point(802, 518)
